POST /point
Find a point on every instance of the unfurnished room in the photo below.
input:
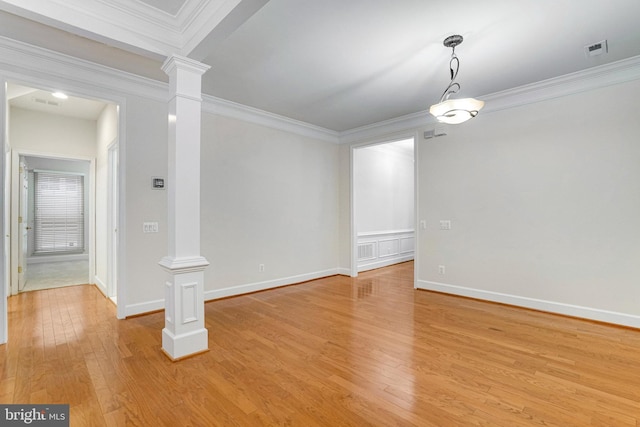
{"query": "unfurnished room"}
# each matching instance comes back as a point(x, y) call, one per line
point(320, 213)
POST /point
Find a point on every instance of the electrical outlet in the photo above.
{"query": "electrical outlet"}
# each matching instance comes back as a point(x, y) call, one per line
point(442, 269)
point(423, 224)
point(260, 268)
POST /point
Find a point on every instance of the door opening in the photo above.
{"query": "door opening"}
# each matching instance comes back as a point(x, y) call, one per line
point(383, 200)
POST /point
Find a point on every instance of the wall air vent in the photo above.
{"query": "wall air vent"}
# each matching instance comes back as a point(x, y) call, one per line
point(366, 251)
point(46, 102)
point(439, 130)
point(596, 49)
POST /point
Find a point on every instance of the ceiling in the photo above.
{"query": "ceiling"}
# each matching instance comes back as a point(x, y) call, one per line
point(336, 64)
point(45, 102)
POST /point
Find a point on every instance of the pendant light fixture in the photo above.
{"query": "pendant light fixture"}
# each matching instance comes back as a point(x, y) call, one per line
point(454, 111)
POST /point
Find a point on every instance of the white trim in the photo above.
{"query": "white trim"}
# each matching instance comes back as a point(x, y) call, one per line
point(592, 78)
point(344, 271)
point(42, 66)
point(143, 308)
point(222, 107)
point(385, 263)
point(102, 287)
point(385, 233)
point(5, 215)
point(269, 284)
point(155, 305)
point(535, 304)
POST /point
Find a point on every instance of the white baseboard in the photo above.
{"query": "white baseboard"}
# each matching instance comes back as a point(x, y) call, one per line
point(102, 287)
point(344, 271)
point(150, 306)
point(144, 307)
point(384, 263)
point(535, 304)
point(269, 284)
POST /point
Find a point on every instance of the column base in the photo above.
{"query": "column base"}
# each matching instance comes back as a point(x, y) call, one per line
point(177, 347)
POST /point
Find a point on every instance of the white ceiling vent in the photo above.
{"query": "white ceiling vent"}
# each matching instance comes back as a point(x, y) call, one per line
point(596, 49)
point(46, 102)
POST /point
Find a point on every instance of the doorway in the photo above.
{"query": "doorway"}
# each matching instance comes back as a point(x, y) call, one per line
point(53, 222)
point(54, 135)
point(383, 200)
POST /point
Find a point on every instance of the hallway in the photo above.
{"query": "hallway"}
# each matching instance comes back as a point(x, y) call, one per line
point(48, 275)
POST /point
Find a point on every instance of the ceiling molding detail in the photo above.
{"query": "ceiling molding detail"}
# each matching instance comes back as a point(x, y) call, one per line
point(592, 78)
point(233, 110)
point(130, 25)
point(21, 60)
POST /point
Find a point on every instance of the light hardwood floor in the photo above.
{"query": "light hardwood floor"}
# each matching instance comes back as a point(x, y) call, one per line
point(331, 352)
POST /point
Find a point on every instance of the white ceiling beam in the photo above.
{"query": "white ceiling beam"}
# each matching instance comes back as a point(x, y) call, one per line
point(139, 28)
point(209, 31)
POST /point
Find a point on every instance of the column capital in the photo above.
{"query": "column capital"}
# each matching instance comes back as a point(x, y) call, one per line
point(184, 264)
point(174, 62)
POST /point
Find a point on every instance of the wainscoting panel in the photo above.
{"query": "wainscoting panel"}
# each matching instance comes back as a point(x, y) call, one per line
point(383, 248)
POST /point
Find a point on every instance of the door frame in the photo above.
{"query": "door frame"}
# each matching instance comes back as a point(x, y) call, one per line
point(76, 88)
point(113, 220)
point(15, 206)
point(352, 190)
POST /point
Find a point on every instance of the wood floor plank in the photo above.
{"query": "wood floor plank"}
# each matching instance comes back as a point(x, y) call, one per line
point(336, 351)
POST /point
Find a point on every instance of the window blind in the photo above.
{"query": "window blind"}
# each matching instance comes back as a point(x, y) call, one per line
point(59, 212)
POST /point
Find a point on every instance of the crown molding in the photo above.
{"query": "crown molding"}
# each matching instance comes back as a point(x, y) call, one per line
point(592, 78)
point(131, 26)
point(23, 59)
point(214, 105)
point(386, 127)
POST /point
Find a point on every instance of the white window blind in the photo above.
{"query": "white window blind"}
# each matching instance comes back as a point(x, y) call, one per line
point(59, 212)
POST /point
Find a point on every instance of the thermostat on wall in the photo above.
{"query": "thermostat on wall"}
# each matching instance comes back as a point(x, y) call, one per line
point(157, 183)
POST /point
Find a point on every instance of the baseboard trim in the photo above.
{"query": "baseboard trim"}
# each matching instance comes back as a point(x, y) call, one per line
point(102, 287)
point(269, 284)
point(588, 313)
point(144, 308)
point(344, 271)
point(151, 306)
point(385, 263)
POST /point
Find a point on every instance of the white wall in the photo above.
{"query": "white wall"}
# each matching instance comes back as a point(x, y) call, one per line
point(267, 197)
point(54, 134)
point(107, 131)
point(146, 156)
point(383, 186)
point(544, 201)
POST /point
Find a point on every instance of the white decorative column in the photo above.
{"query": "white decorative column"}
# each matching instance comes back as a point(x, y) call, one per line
point(184, 333)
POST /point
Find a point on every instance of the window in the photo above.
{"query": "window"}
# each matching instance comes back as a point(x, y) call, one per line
point(59, 213)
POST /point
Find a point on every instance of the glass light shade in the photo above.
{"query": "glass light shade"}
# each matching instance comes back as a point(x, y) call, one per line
point(454, 111)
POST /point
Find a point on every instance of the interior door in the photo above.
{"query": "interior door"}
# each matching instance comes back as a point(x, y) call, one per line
point(23, 225)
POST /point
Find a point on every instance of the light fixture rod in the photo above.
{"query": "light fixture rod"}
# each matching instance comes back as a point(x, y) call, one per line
point(454, 111)
point(454, 87)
